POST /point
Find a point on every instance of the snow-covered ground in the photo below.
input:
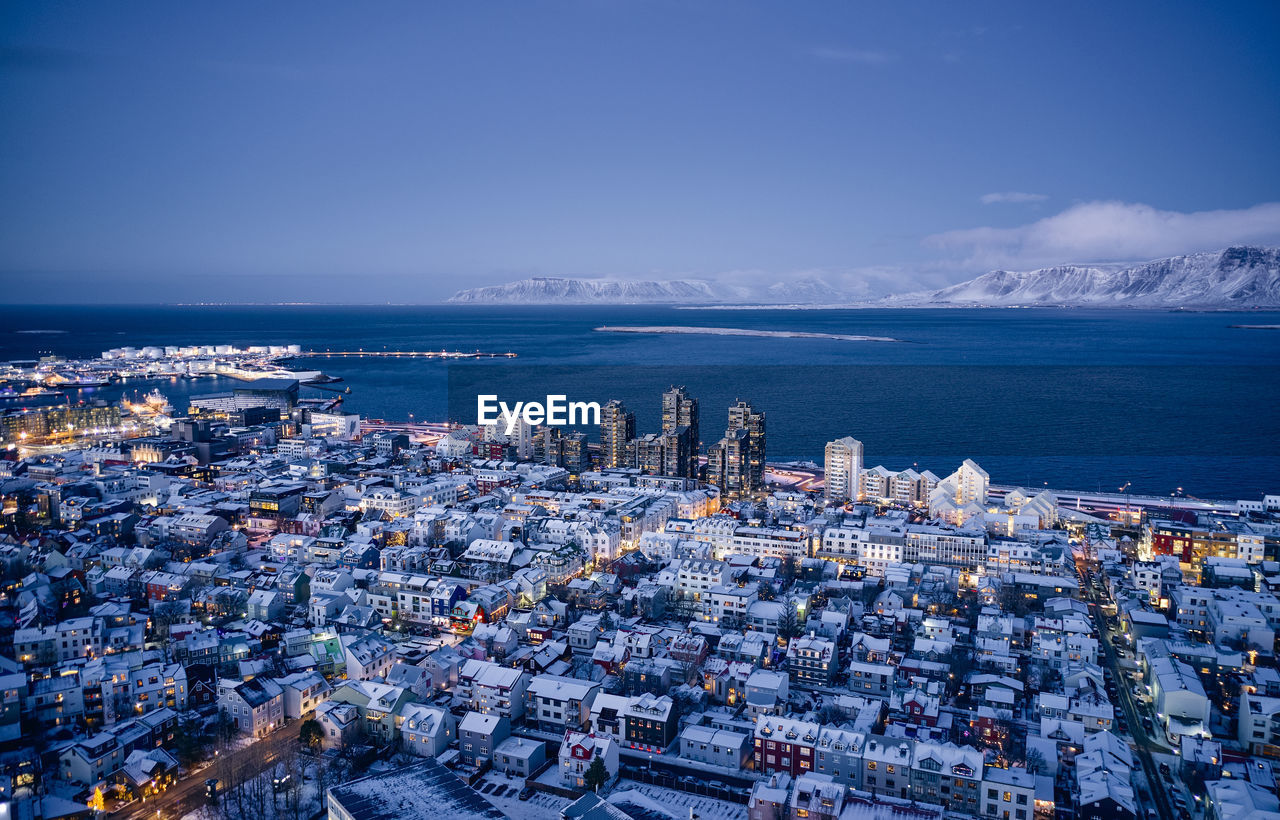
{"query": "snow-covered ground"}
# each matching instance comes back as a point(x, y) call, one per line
point(541, 806)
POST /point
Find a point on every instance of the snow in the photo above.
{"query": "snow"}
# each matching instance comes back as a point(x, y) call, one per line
point(1235, 277)
point(680, 803)
point(541, 806)
point(546, 290)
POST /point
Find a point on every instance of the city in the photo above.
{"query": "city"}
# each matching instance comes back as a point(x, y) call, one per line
point(579, 410)
point(261, 606)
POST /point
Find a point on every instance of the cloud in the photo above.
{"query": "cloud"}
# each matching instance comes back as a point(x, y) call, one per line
point(1010, 197)
point(861, 56)
point(1107, 232)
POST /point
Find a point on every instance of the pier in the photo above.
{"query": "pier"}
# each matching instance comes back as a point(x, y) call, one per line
point(403, 354)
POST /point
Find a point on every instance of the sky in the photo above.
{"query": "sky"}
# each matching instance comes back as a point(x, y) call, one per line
point(343, 152)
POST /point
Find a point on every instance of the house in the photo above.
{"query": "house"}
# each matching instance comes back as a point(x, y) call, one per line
point(426, 730)
point(578, 751)
point(256, 706)
point(784, 745)
point(493, 689)
point(303, 692)
point(519, 756)
point(340, 723)
point(479, 735)
point(810, 660)
point(557, 704)
point(1104, 795)
point(1008, 794)
point(265, 604)
point(367, 656)
point(650, 723)
point(149, 772)
point(716, 747)
point(766, 692)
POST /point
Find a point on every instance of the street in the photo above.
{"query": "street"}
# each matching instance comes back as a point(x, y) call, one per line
point(188, 794)
point(1145, 744)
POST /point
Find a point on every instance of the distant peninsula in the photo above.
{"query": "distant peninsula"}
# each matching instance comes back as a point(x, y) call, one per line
point(741, 331)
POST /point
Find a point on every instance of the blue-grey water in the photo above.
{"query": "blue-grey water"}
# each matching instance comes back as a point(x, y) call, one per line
point(1079, 399)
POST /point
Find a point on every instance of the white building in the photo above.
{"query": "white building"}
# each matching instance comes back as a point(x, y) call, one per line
point(843, 469)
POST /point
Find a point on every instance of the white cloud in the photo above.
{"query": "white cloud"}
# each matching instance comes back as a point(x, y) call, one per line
point(1011, 197)
point(863, 56)
point(1108, 232)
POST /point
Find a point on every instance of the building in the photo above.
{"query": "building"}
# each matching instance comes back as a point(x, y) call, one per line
point(425, 730)
point(479, 735)
point(1008, 794)
point(519, 756)
point(256, 706)
point(680, 419)
point(617, 429)
point(425, 789)
point(843, 470)
point(578, 751)
point(650, 723)
point(736, 463)
point(811, 660)
point(717, 747)
point(785, 745)
point(558, 704)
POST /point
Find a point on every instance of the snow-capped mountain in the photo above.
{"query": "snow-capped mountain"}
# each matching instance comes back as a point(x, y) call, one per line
point(547, 290)
point(803, 291)
point(1241, 277)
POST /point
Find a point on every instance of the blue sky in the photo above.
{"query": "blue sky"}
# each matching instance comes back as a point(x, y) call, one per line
point(366, 152)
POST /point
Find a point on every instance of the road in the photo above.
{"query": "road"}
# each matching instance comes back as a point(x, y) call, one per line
point(188, 794)
point(1145, 744)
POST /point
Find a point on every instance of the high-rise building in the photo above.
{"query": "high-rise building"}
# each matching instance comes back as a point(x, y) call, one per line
point(843, 469)
point(662, 453)
point(736, 463)
point(577, 458)
point(617, 428)
point(679, 409)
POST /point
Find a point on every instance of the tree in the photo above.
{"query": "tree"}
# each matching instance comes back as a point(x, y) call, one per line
point(596, 775)
point(311, 734)
point(1035, 761)
point(789, 623)
point(98, 803)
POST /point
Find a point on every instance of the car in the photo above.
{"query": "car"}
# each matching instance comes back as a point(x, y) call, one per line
point(1164, 767)
point(525, 793)
point(281, 783)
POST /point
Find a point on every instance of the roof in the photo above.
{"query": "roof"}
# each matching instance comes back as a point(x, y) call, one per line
point(425, 789)
point(479, 723)
point(561, 688)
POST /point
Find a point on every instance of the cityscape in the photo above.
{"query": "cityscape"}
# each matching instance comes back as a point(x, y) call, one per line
point(578, 410)
point(262, 606)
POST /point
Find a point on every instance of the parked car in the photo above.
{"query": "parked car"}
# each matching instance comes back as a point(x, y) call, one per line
point(525, 793)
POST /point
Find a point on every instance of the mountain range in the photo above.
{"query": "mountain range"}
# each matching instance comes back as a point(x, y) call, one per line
point(549, 290)
point(1238, 277)
point(1243, 277)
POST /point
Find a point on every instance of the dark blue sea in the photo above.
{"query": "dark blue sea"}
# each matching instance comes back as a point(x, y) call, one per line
point(1071, 399)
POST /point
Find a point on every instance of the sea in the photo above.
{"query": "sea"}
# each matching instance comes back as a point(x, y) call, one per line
point(1165, 402)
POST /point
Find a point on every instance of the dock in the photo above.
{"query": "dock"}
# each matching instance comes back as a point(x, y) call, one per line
point(403, 354)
